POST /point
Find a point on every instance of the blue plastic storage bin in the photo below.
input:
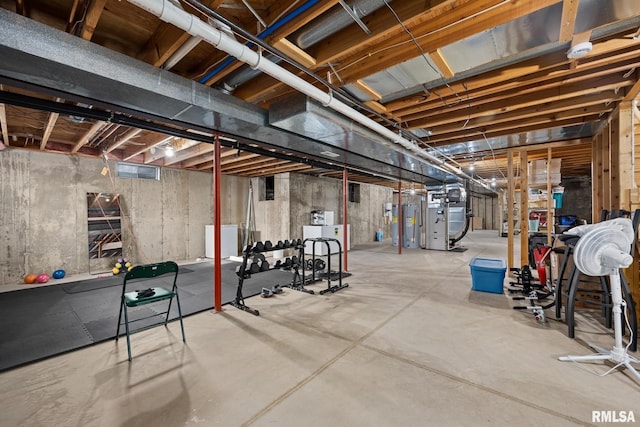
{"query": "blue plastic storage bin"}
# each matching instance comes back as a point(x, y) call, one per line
point(487, 275)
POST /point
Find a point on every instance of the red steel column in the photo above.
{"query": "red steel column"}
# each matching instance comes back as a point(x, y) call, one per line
point(400, 218)
point(345, 192)
point(217, 247)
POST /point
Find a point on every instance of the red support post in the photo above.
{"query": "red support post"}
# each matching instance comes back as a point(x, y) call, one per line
point(217, 246)
point(345, 198)
point(400, 218)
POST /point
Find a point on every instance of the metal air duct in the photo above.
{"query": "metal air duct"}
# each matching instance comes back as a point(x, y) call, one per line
point(168, 12)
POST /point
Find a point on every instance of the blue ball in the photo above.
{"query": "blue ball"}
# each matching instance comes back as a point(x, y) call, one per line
point(58, 274)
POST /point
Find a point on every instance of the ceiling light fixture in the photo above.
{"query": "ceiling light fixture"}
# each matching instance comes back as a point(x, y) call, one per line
point(472, 166)
point(580, 50)
point(169, 151)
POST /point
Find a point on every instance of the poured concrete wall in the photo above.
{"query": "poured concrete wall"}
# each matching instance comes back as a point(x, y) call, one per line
point(309, 193)
point(272, 216)
point(367, 217)
point(296, 195)
point(43, 214)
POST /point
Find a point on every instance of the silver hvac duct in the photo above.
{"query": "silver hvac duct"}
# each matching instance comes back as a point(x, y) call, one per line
point(169, 12)
point(335, 20)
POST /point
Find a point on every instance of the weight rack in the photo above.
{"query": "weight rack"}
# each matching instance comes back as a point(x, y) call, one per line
point(259, 264)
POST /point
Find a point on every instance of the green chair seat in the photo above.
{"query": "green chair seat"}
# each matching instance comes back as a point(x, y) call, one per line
point(160, 294)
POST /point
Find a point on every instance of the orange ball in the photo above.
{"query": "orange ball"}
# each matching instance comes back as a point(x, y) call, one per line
point(30, 279)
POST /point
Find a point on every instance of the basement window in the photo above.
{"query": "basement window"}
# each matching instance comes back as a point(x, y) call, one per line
point(132, 170)
point(354, 192)
point(267, 188)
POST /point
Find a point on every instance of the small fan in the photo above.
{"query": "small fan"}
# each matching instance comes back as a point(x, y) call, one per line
point(602, 250)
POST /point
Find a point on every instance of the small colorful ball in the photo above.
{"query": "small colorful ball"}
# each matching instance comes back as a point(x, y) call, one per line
point(42, 278)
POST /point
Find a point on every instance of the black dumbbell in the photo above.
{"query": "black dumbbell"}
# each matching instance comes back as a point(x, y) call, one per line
point(294, 261)
point(299, 242)
point(287, 263)
point(258, 247)
point(268, 245)
point(278, 264)
point(264, 265)
point(279, 245)
point(255, 267)
point(285, 245)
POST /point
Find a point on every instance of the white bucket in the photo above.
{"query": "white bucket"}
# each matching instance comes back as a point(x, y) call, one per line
point(534, 224)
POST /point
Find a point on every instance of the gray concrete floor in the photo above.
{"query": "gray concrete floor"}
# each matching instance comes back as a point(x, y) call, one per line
point(407, 344)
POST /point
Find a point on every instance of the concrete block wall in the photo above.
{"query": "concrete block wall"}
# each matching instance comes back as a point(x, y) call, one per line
point(43, 214)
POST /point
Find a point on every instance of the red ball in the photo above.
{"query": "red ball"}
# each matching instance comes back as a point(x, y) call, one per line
point(42, 278)
point(30, 279)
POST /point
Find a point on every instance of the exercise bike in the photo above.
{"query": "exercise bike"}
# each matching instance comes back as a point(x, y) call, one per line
point(531, 289)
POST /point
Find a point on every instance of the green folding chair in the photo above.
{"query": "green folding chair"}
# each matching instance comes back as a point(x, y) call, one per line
point(148, 295)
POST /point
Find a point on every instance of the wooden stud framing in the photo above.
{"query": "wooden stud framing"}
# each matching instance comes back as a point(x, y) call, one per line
point(524, 209)
point(510, 204)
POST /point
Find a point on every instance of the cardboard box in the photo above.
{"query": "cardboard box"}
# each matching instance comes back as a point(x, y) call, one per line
point(477, 222)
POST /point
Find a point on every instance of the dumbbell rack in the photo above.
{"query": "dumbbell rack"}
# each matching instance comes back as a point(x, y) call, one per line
point(258, 264)
point(327, 241)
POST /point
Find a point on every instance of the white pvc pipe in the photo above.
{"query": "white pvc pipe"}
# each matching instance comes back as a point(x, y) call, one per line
point(174, 15)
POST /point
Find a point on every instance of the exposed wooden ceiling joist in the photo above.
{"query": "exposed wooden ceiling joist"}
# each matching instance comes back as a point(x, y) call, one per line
point(538, 91)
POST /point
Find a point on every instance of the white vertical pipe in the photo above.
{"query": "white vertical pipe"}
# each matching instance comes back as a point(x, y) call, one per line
point(182, 51)
point(174, 15)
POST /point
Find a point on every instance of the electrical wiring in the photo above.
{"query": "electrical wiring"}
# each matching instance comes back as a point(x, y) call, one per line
point(422, 53)
point(493, 155)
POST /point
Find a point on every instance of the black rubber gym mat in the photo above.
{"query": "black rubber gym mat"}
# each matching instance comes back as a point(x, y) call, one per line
point(102, 282)
point(27, 338)
point(50, 320)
